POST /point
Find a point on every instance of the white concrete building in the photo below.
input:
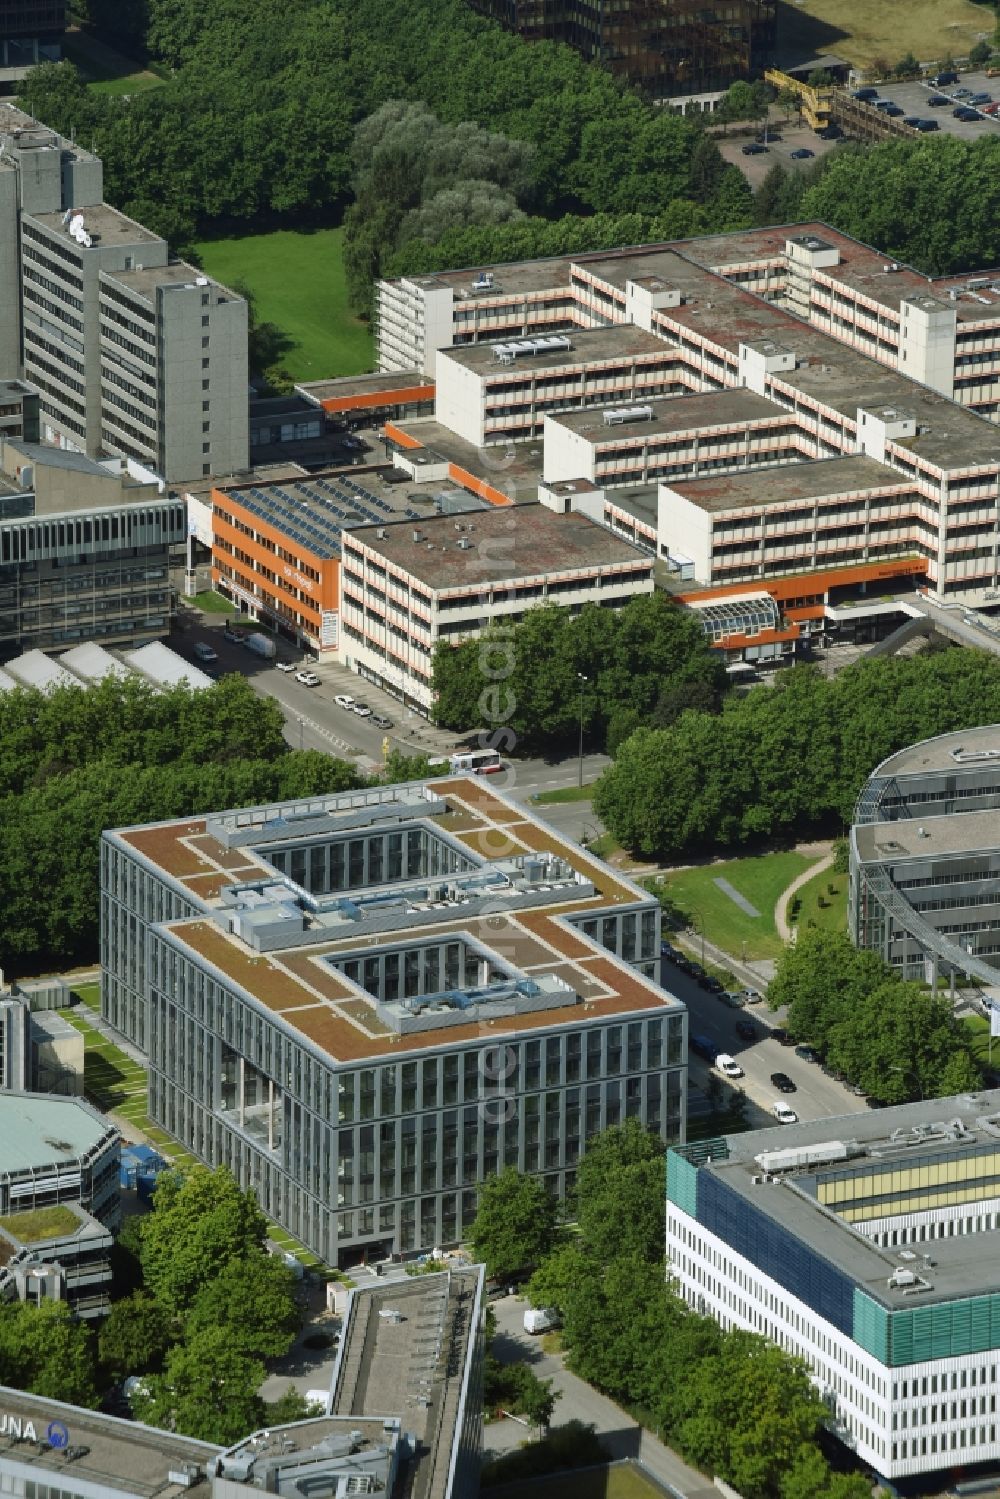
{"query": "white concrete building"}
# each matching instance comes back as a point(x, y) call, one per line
point(500, 392)
point(406, 586)
point(867, 1246)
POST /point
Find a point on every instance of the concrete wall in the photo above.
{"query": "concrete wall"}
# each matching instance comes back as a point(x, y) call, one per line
point(685, 530)
point(458, 400)
point(568, 454)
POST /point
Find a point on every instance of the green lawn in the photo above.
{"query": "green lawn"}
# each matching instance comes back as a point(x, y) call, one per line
point(213, 603)
point(862, 32)
point(298, 283)
point(979, 1036)
point(699, 902)
point(107, 71)
point(831, 915)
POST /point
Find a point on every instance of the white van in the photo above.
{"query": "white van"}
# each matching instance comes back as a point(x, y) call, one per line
point(727, 1065)
point(783, 1113)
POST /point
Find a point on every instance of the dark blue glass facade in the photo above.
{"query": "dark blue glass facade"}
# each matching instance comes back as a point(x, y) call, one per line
point(775, 1252)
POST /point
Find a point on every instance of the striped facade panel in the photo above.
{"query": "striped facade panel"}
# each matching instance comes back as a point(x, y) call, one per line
point(682, 1183)
point(950, 1330)
point(871, 1326)
point(776, 1253)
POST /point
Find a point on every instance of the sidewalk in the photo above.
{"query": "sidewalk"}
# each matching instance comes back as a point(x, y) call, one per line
point(785, 932)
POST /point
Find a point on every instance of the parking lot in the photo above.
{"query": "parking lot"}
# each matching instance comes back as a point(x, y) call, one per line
point(815, 1094)
point(783, 140)
point(913, 99)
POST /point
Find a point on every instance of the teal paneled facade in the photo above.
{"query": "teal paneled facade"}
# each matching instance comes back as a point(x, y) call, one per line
point(949, 1329)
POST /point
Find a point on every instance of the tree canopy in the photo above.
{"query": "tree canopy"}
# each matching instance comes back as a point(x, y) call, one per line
point(888, 1036)
point(45, 1349)
point(82, 759)
point(788, 758)
point(202, 1223)
point(729, 1401)
point(190, 152)
point(515, 1223)
point(933, 202)
point(640, 664)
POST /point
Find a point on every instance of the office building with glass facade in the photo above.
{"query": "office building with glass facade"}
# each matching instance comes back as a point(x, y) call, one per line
point(924, 881)
point(865, 1245)
point(365, 1004)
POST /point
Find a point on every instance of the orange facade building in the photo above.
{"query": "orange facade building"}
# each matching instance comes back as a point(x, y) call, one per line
point(276, 551)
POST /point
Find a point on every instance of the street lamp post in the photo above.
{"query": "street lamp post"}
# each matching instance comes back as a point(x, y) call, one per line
point(301, 732)
point(582, 680)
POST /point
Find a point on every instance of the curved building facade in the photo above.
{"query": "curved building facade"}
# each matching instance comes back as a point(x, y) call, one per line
point(925, 858)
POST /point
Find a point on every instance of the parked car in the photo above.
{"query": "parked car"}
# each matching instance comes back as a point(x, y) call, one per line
point(344, 700)
point(712, 984)
point(991, 109)
point(782, 1082)
point(727, 1065)
point(941, 79)
point(784, 1113)
point(830, 133)
point(734, 1001)
point(766, 137)
point(361, 709)
point(779, 1034)
point(307, 678)
point(925, 126)
point(966, 115)
point(938, 101)
point(866, 94)
point(752, 996)
point(981, 99)
point(802, 154)
point(961, 93)
point(807, 1053)
point(746, 1030)
point(381, 722)
point(893, 111)
point(755, 149)
point(285, 665)
point(702, 1046)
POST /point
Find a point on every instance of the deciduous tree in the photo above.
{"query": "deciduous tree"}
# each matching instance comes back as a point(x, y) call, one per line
point(515, 1224)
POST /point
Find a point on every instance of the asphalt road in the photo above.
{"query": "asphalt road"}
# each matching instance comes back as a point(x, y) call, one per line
point(314, 721)
point(816, 1096)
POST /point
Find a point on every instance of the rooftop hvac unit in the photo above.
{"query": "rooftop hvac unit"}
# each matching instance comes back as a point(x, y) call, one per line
point(618, 415)
point(483, 282)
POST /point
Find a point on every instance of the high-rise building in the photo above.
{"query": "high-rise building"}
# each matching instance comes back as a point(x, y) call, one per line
point(667, 47)
point(134, 355)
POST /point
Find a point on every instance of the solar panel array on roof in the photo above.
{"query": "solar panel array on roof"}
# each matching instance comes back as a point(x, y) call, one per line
point(314, 512)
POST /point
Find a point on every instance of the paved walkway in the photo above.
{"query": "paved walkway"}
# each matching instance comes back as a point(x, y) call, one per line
point(620, 1434)
point(785, 932)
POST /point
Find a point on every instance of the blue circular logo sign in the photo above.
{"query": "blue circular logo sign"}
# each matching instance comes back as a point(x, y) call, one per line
point(58, 1434)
